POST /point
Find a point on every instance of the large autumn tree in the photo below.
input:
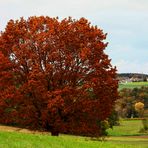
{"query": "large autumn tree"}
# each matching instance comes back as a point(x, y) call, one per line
point(56, 76)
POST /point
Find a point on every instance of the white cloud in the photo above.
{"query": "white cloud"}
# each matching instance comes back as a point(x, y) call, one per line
point(131, 66)
point(125, 21)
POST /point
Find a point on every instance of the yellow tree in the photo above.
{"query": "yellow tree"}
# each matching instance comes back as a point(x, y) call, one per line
point(139, 107)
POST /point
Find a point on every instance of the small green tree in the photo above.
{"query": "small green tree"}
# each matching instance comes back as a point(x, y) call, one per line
point(113, 119)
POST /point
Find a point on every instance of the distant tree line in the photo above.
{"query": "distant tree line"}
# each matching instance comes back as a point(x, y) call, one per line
point(130, 75)
point(125, 106)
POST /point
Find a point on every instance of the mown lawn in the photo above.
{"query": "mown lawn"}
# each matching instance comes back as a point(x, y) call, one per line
point(129, 127)
point(22, 140)
point(132, 85)
point(117, 139)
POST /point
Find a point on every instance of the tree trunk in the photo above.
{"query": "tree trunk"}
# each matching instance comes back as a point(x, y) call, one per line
point(54, 132)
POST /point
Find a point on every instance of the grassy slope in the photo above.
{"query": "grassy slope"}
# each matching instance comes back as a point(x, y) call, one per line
point(17, 140)
point(127, 128)
point(22, 140)
point(146, 113)
point(132, 85)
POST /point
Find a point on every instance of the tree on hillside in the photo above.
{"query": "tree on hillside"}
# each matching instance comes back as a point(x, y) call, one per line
point(63, 80)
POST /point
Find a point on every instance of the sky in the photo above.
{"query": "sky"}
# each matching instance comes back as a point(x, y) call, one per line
point(125, 21)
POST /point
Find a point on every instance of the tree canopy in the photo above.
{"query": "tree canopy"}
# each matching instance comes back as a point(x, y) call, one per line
point(55, 75)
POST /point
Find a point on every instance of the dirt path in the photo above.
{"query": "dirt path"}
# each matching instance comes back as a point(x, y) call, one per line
point(22, 130)
point(144, 136)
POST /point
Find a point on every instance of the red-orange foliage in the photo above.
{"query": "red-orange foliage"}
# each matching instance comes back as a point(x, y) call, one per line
point(55, 75)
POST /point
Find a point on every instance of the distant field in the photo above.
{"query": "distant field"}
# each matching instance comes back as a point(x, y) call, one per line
point(117, 139)
point(132, 85)
point(129, 127)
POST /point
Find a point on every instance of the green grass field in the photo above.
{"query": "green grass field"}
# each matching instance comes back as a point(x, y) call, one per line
point(117, 139)
point(127, 128)
point(132, 85)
